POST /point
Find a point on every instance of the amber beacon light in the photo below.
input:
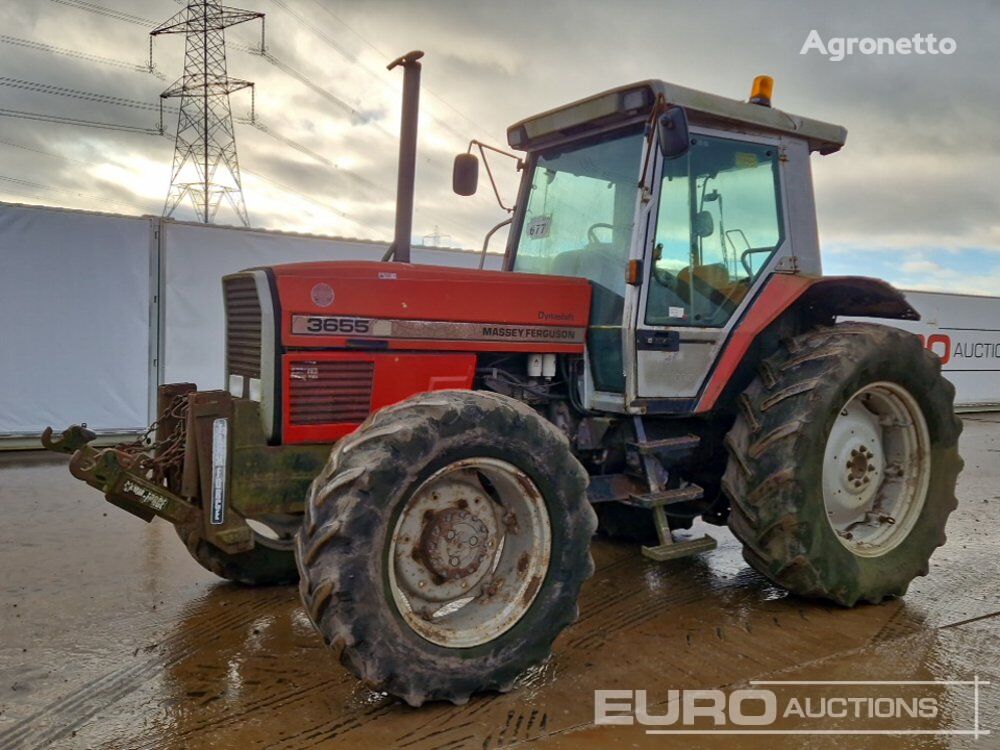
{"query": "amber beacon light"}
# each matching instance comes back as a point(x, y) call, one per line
point(761, 91)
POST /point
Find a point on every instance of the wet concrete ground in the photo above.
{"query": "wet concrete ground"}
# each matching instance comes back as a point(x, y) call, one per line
point(112, 637)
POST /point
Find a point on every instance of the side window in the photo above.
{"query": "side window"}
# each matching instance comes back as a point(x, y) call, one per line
point(718, 224)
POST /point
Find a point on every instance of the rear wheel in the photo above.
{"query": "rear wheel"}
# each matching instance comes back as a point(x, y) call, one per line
point(445, 543)
point(843, 463)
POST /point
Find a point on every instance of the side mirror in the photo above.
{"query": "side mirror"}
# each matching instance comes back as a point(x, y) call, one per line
point(465, 174)
point(672, 132)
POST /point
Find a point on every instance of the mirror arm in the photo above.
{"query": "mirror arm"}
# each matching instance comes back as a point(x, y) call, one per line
point(489, 172)
point(489, 236)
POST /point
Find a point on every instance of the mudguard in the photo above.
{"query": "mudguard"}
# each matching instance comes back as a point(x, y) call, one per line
point(807, 300)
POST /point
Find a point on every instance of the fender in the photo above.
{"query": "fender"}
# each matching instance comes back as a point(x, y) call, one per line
point(798, 301)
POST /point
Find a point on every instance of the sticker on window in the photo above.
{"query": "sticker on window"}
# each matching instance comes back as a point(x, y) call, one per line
point(744, 159)
point(538, 228)
point(676, 312)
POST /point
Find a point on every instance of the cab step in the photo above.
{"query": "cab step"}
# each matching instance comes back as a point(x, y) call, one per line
point(665, 445)
point(674, 550)
point(666, 497)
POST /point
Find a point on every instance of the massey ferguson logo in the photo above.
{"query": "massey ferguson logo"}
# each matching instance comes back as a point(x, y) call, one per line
point(326, 325)
point(524, 334)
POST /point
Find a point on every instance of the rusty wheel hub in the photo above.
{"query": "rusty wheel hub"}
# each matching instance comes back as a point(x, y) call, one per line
point(469, 551)
point(454, 543)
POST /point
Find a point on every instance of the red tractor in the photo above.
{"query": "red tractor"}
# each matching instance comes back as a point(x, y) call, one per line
point(660, 346)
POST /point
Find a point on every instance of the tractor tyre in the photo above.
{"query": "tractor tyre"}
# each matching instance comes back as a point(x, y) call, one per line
point(269, 563)
point(843, 463)
point(444, 545)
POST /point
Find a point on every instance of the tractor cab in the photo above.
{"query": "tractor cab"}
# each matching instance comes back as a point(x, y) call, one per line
point(675, 238)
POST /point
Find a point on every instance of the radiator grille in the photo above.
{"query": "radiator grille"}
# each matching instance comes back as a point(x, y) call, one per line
point(330, 392)
point(242, 327)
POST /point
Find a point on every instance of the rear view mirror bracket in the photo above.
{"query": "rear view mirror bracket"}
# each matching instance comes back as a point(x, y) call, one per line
point(465, 172)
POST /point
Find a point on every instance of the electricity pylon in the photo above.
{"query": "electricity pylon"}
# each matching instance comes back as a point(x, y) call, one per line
point(206, 168)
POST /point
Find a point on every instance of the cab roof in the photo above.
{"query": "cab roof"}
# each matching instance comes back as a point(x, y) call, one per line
point(626, 102)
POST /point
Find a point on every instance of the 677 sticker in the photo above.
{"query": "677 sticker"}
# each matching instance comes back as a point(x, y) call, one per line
point(538, 228)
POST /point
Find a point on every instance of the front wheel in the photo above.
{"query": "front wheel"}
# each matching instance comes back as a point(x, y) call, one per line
point(843, 463)
point(445, 543)
point(271, 562)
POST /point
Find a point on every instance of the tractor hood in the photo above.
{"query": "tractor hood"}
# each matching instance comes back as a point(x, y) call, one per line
point(350, 304)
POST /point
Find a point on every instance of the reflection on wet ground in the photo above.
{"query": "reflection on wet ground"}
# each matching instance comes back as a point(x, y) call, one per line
point(112, 637)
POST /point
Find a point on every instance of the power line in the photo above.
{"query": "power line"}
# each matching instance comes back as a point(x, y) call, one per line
point(42, 186)
point(318, 32)
point(37, 150)
point(18, 114)
point(378, 75)
point(52, 49)
point(118, 15)
point(46, 88)
point(382, 53)
point(256, 123)
point(302, 78)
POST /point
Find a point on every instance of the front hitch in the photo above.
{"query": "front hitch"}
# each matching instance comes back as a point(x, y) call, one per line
point(112, 471)
point(70, 441)
point(127, 474)
point(204, 464)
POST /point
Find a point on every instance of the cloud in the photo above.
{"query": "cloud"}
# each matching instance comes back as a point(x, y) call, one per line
point(916, 176)
point(920, 267)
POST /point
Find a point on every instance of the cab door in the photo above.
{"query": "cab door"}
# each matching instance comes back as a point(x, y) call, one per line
point(716, 229)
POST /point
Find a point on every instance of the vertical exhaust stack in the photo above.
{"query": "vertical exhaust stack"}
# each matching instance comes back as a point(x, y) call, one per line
point(400, 248)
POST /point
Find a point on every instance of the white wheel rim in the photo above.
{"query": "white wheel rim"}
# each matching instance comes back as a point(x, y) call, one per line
point(275, 532)
point(467, 557)
point(876, 469)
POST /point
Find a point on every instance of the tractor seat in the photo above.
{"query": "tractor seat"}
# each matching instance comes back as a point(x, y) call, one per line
point(713, 281)
point(712, 275)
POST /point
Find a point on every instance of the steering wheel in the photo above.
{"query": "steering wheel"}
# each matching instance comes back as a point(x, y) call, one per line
point(592, 235)
point(745, 257)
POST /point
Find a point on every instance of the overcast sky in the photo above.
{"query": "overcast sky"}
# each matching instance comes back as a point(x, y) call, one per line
point(911, 198)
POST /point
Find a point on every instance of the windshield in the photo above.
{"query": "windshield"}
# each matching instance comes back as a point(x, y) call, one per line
point(578, 219)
